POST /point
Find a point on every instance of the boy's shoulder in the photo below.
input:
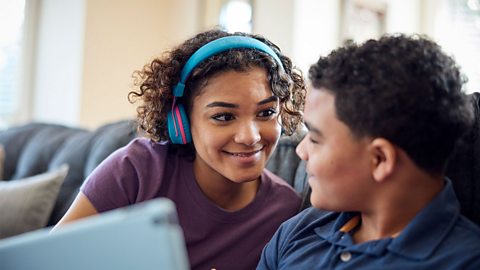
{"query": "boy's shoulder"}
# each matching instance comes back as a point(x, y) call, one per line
point(305, 222)
point(461, 246)
point(465, 233)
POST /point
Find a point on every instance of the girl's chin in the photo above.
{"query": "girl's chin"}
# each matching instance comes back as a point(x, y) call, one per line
point(240, 179)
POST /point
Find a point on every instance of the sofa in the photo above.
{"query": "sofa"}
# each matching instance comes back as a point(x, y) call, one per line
point(34, 149)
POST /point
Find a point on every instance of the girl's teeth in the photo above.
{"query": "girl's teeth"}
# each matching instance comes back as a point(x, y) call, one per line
point(244, 155)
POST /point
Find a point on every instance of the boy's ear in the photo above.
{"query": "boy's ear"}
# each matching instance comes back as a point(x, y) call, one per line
point(384, 158)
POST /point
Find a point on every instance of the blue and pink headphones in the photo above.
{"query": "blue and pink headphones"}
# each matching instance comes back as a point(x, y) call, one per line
point(177, 120)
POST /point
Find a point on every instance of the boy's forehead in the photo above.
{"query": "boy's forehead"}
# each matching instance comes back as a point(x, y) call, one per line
point(321, 118)
point(319, 106)
point(319, 97)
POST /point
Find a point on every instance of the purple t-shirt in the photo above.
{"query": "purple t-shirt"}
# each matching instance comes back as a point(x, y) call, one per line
point(215, 238)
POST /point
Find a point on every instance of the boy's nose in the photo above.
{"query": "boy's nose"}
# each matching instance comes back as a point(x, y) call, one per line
point(301, 151)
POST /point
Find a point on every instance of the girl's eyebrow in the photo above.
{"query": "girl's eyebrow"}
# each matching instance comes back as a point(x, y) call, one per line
point(221, 104)
point(231, 105)
point(267, 100)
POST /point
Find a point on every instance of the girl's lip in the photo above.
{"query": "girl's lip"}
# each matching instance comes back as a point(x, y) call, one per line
point(245, 159)
point(244, 154)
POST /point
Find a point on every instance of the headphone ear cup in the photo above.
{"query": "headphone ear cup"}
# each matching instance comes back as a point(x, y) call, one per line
point(178, 126)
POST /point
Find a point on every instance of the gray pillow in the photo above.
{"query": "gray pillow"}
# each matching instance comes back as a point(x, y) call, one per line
point(26, 204)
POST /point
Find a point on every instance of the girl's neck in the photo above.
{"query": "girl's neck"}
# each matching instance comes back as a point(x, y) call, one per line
point(225, 193)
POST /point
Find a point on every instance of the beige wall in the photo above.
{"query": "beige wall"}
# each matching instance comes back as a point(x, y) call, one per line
point(317, 26)
point(120, 39)
point(87, 50)
point(94, 46)
point(274, 20)
point(57, 66)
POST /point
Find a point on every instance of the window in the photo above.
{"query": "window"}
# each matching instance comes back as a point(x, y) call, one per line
point(236, 16)
point(11, 25)
point(458, 30)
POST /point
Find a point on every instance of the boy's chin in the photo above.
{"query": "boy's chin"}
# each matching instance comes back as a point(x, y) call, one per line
point(320, 204)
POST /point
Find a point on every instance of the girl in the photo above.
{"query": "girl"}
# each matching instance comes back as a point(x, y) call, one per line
point(213, 109)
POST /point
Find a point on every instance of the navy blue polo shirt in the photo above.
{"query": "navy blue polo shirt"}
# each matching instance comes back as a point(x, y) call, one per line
point(439, 237)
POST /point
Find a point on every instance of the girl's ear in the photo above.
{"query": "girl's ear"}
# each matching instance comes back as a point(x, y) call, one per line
point(384, 158)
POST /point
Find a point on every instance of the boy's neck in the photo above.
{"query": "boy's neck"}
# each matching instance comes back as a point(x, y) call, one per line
point(393, 211)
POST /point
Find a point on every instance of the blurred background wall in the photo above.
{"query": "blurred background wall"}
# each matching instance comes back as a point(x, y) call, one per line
point(70, 61)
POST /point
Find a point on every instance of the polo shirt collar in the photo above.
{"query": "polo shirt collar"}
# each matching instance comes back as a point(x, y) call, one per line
point(429, 227)
point(417, 241)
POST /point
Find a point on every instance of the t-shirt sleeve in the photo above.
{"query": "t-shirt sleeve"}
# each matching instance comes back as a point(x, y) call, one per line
point(120, 179)
point(112, 184)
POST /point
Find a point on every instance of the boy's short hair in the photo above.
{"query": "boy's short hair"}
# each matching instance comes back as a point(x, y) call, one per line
point(401, 88)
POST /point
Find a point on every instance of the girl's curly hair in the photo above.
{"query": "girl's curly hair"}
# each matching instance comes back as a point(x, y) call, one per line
point(156, 81)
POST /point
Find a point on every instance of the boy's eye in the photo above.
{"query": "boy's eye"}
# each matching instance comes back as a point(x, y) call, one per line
point(224, 117)
point(312, 140)
point(267, 113)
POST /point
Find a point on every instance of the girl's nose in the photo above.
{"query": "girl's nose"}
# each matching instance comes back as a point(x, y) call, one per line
point(248, 134)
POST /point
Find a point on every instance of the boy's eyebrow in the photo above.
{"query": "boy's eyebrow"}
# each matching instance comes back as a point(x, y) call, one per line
point(231, 105)
point(312, 129)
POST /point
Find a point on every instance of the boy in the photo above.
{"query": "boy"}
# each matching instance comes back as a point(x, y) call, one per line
point(382, 120)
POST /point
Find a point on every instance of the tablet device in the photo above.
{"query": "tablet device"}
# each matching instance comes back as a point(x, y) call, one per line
point(143, 236)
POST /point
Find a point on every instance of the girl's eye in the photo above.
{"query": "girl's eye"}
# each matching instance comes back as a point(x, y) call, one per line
point(267, 113)
point(224, 117)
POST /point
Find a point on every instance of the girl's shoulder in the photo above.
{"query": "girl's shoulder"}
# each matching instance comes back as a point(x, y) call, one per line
point(280, 193)
point(145, 150)
point(277, 183)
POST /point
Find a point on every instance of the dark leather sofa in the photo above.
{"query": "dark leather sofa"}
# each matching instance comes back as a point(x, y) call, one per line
point(34, 148)
point(37, 147)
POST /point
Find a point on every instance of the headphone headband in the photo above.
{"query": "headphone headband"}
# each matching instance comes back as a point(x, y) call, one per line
point(215, 47)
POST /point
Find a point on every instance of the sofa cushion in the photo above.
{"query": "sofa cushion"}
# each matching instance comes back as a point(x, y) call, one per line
point(34, 148)
point(26, 204)
point(2, 158)
point(83, 151)
point(284, 161)
point(464, 167)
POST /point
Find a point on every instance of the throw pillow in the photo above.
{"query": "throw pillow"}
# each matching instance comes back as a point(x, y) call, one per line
point(2, 158)
point(26, 204)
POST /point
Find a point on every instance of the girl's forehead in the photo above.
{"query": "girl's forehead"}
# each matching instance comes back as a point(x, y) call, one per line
point(253, 82)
